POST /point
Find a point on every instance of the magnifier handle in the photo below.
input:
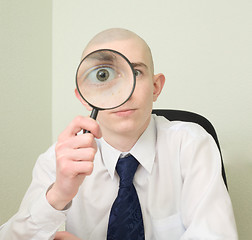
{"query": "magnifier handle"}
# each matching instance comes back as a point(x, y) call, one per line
point(93, 115)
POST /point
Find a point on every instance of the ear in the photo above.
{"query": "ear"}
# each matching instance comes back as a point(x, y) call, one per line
point(77, 94)
point(158, 83)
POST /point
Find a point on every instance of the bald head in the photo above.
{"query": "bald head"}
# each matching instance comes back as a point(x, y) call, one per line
point(117, 35)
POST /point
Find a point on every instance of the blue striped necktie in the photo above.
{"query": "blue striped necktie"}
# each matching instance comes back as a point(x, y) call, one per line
point(126, 221)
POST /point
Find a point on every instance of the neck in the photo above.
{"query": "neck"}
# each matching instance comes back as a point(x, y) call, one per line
point(123, 141)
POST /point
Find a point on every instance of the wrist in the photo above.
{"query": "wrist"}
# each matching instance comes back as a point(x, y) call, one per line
point(56, 200)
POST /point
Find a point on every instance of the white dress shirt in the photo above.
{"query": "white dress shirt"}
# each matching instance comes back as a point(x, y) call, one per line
point(178, 182)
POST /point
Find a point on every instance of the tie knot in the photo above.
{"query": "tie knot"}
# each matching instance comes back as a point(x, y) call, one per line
point(126, 168)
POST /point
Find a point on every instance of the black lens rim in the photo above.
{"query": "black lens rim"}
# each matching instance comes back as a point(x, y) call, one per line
point(133, 73)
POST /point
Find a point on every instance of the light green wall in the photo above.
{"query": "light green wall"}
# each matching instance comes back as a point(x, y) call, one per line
point(204, 49)
point(25, 98)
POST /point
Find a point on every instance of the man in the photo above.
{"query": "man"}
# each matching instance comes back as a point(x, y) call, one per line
point(178, 180)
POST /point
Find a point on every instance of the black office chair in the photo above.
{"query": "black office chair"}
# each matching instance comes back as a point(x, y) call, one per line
point(179, 115)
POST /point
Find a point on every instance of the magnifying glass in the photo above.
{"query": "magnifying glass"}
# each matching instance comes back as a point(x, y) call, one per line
point(105, 79)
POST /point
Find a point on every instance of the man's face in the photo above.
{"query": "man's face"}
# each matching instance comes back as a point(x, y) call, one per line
point(132, 117)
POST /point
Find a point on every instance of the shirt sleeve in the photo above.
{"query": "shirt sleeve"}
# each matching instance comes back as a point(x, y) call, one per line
point(205, 203)
point(36, 218)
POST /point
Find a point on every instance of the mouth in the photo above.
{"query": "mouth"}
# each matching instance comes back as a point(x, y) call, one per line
point(124, 112)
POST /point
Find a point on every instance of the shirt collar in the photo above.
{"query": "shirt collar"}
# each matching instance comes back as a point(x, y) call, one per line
point(143, 150)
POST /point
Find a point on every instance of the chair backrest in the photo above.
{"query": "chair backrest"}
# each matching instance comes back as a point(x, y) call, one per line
point(179, 115)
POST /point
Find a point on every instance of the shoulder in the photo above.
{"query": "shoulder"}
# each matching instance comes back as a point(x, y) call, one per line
point(180, 134)
point(189, 140)
point(178, 128)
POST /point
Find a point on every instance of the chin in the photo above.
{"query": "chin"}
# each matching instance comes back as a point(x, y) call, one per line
point(126, 127)
point(124, 122)
point(132, 127)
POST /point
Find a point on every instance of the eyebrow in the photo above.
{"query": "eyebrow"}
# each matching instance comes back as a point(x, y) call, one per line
point(139, 64)
point(103, 56)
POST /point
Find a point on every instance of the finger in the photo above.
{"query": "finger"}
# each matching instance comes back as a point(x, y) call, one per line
point(80, 123)
point(83, 141)
point(83, 167)
point(79, 141)
point(65, 236)
point(80, 154)
point(59, 236)
point(71, 169)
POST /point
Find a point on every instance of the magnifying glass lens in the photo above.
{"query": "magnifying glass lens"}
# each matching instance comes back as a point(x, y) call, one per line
point(105, 79)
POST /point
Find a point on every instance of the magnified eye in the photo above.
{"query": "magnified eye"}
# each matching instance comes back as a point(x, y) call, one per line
point(101, 74)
